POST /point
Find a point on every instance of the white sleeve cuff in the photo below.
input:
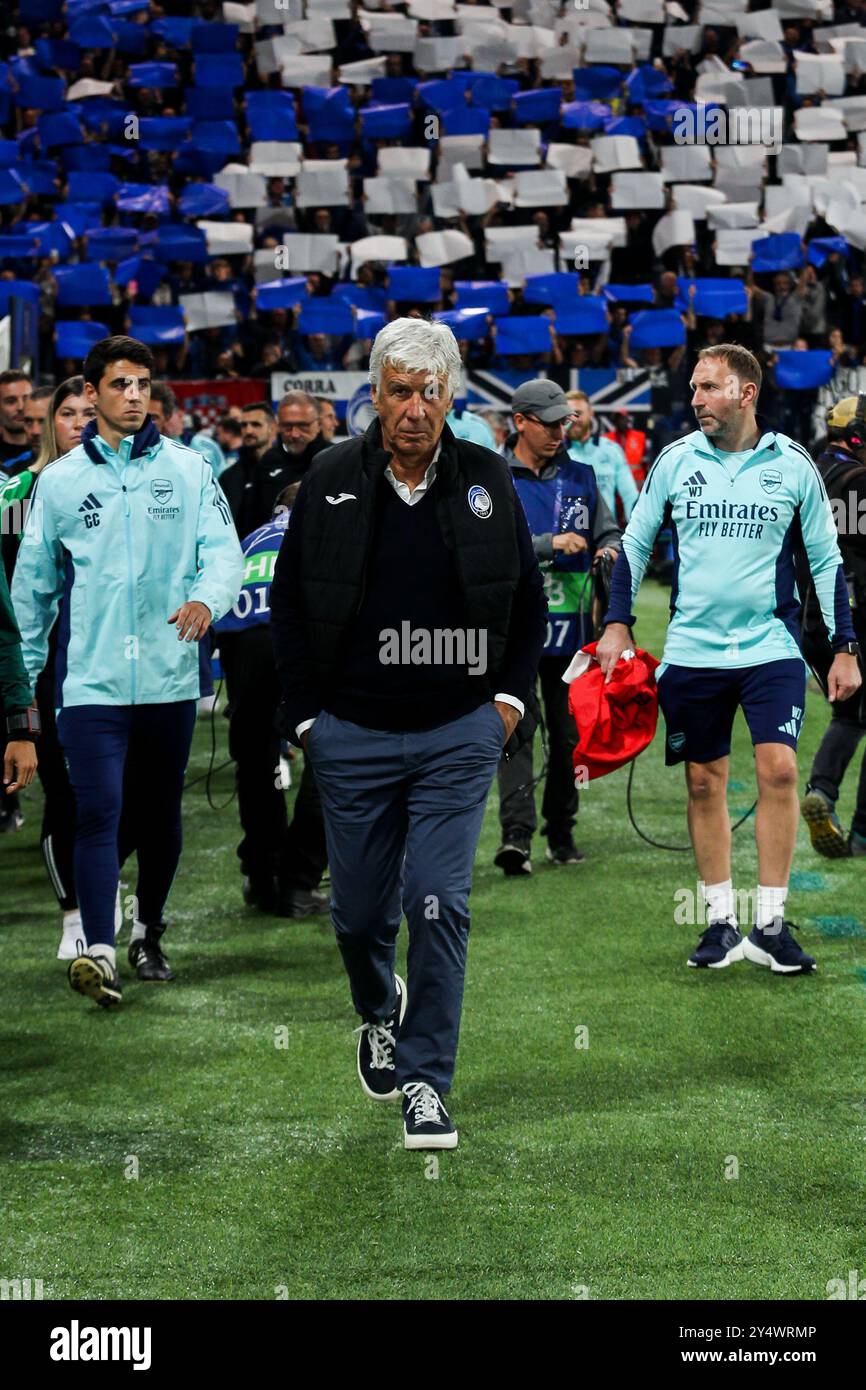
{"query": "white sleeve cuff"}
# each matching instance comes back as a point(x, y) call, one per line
point(302, 728)
point(512, 700)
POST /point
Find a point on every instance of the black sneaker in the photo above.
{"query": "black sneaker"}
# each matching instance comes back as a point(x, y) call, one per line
point(825, 832)
point(95, 977)
point(513, 860)
point(566, 853)
point(856, 845)
point(775, 946)
point(376, 1043)
point(260, 891)
point(302, 902)
point(720, 945)
point(426, 1122)
point(146, 958)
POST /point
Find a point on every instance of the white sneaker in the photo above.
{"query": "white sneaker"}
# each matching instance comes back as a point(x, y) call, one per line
point(72, 940)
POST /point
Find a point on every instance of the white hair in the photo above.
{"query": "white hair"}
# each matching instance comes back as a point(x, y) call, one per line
point(416, 345)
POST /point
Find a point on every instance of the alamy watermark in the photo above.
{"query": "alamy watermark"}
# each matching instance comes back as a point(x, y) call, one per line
point(15, 516)
point(849, 514)
point(20, 1290)
point(77, 1343)
point(690, 906)
point(438, 646)
point(854, 1287)
point(737, 125)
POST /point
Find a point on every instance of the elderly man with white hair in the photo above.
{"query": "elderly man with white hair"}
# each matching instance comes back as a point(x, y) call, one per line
point(408, 616)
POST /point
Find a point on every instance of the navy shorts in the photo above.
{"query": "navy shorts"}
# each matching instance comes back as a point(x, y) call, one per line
point(699, 705)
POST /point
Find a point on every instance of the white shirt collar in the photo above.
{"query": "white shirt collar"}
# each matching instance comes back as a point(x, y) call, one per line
point(417, 493)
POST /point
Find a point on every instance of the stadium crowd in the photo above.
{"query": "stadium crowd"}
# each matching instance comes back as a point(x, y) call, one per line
point(259, 193)
point(317, 171)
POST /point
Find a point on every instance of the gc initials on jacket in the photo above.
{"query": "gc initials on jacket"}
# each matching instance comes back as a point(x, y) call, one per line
point(118, 541)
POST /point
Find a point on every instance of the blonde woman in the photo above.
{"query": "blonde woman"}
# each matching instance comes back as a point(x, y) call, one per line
point(68, 413)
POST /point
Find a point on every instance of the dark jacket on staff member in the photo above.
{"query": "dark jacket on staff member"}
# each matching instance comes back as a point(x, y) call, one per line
point(15, 692)
point(293, 466)
point(356, 560)
point(252, 484)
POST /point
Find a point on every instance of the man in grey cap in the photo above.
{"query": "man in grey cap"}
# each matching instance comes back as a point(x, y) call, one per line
point(571, 528)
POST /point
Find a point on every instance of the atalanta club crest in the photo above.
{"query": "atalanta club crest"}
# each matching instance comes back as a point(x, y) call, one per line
point(359, 411)
point(480, 501)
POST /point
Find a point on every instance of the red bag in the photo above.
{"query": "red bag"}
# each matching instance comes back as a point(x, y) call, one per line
point(616, 721)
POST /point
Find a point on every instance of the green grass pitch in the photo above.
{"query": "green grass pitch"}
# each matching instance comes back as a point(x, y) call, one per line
point(603, 1171)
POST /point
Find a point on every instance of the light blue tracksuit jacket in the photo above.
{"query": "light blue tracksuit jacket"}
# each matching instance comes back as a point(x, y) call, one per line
point(117, 542)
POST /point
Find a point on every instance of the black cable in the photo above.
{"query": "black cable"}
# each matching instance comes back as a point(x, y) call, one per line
point(212, 770)
point(657, 844)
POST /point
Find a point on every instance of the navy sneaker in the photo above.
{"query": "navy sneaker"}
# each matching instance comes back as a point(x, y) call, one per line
point(426, 1122)
point(825, 831)
point(376, 1043)
point(720, 945)
point(775, 946)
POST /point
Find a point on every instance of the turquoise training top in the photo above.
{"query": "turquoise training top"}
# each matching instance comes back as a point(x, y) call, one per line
point(734, 519)
point(115, 541)
point(612, 473)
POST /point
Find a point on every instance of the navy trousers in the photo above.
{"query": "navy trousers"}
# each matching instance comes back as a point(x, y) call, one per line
point(98, 741)
point(403, 814)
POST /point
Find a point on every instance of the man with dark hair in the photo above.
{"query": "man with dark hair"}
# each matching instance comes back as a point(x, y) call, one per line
point(737, 497)
point(282, 862)
point(132, 541)
point(163, 405)
point(604, 456)
point(15, 450)
point(229, 436)
point(34, 416)
point(842, 465)
point(252, 483)
point(328, 422)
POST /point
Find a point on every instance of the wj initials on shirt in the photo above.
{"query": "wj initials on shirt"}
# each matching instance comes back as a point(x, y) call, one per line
point(695, 484)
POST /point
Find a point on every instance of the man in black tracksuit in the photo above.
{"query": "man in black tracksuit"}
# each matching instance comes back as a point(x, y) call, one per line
point(282, 862)
point(249, 485)
point(408, 615)
point(842, 465)
point(299, 437)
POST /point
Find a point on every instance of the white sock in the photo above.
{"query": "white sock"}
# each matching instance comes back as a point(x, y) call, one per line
point(139, 931)
point(72, 918)
point(107, 953)
point(719, 898)
point(771, 904)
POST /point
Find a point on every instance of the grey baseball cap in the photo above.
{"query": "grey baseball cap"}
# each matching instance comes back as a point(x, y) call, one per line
point(542, 398)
